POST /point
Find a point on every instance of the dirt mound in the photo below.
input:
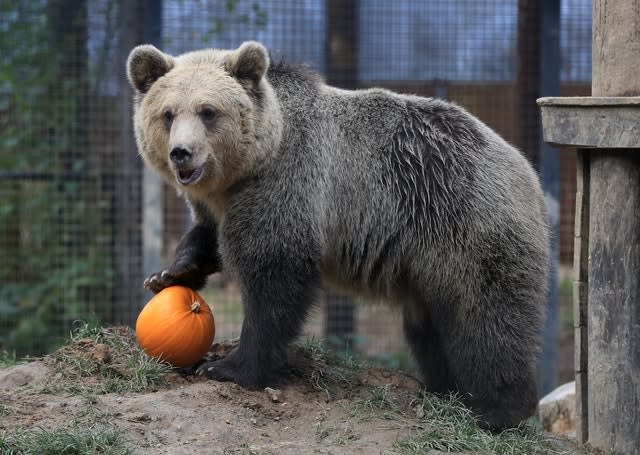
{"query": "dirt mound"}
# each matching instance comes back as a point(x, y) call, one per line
point(102, 379)
point(101, 394)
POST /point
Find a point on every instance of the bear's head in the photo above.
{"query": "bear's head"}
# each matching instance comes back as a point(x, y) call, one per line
point(206, 119)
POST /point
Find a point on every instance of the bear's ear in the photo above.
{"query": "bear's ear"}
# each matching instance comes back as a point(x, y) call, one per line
point(145, 65)
point(249, 61)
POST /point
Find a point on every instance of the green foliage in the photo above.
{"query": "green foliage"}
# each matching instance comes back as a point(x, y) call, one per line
point(8, 359)
point(54, 266)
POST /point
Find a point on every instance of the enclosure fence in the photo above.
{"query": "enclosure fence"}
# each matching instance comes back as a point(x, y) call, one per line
point(80, 226)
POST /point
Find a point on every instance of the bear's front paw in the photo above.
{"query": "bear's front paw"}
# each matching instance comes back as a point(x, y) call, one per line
point(227, 370)
point(181, 273)
point(158, 281)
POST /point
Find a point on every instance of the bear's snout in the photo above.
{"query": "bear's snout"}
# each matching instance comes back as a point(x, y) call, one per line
point(187, 170)
point(180, 155)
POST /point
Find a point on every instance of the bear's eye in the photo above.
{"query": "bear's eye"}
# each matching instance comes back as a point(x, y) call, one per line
point(207, 114)
point(167, 117)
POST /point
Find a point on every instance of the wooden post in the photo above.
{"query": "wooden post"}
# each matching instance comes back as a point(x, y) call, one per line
point(614, 301)
point(129, 296)
point(614, 243)
point(549, 80)
point(342, 43)
point(606, 127)
point(606, 298)
point(528, 78)
point(152, 184)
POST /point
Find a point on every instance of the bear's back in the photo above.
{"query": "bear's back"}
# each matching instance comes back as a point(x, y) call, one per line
point(401, 182)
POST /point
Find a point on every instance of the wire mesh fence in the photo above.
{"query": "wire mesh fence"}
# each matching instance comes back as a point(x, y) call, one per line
point(75, 219)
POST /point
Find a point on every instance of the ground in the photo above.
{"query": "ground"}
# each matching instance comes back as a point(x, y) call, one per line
point(100, 387)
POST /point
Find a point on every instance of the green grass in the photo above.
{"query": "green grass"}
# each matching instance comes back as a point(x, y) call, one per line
point(329, 372)
point(72, 440)
point(94, 361)
point(437, 422)
point(99, 361)
point(445, 424)
point(442, 423)
point(379, 405)
point(9, 359)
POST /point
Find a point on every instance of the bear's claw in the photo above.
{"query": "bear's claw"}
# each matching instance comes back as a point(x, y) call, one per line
point(158, 281)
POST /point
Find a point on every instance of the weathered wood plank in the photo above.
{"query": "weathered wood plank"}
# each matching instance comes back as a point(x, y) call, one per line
point(580, 301)
point(581, 294)
point(605, 126)
point(615, 50)
point(614, 301)
point(582, 428)
point(589, 101)
point(580, 355)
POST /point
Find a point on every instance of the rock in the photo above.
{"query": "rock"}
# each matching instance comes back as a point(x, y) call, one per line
point(141, 417)
point(274, 394)
point(557, 410)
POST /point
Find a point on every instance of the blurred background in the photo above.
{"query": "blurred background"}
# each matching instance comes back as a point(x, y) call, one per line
point(82, 223)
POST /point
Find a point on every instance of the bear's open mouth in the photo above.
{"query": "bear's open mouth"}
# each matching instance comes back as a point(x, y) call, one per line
point(188, 176)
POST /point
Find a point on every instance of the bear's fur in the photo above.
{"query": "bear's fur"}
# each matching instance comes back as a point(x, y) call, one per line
point(292, 182)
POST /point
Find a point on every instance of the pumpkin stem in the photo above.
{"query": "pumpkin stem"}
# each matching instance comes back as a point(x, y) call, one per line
point(195, 307)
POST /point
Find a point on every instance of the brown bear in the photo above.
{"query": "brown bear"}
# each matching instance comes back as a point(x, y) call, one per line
point(293, 183)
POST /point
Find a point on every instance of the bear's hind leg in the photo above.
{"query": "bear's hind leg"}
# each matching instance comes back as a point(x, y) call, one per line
point(427, 349)
point(492, 359)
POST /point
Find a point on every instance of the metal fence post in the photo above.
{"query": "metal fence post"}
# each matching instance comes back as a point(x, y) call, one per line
point(550, 173)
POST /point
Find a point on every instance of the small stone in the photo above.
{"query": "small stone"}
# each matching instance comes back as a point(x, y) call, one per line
point(141, 418)
point(274, 394)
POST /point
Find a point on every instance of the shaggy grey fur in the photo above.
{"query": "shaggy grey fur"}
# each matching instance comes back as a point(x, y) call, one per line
point(408, 199)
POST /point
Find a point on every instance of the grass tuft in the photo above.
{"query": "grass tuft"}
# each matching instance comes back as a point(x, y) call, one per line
point(99, 361)
point(378, 405)
point(440, 423)
point(73, 440)
point(445, 424)
point(327, 372)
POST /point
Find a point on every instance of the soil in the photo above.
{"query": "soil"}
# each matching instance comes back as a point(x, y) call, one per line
point(189, 414)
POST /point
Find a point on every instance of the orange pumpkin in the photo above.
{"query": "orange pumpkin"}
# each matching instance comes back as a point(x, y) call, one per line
point(176, 326)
